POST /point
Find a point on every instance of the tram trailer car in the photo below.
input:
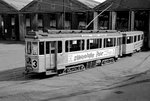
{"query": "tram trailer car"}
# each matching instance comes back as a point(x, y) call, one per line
point(132, 42)
point(59, 52)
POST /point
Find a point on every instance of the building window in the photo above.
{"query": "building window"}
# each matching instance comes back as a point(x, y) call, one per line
point(103, 22)
point(122, 21)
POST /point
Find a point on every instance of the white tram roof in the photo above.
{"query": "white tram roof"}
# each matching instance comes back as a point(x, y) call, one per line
point(71, 34)
point(132, 33)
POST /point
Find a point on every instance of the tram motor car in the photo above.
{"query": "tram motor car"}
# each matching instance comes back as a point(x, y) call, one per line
point(62, 52)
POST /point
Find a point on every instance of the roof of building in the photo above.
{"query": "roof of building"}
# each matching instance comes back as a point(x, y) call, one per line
point(17, 4)
point(90, 3)
point(120, 5)
point(56, 6)
point(6, 8)
point(12, 6)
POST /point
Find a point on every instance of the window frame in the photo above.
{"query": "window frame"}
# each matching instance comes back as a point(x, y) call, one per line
point(112, 42)
point(131, 40)
point(139, 37)
point(96, 41)
point(52, 45)
point(29, 49)
point(70, 46)
point(135, 38)
point(43, 51)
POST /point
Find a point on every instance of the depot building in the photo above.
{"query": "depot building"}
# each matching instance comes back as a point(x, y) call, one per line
point(17, 17)
point(125, 15)
point(20, 16)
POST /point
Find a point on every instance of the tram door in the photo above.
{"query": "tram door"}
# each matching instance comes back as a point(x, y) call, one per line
point(124, 41)
point(51, 55)
point(119, 41)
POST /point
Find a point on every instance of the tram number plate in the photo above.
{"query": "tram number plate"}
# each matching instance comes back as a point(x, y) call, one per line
point(74, 68)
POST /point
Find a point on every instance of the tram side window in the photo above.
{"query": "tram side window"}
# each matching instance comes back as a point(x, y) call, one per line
point(41, 48)
point(135, 37)
point(67, 47)
point(94, 43)
point(129, 39)
point(59, 46)
point(74, 45)
point(109, 42)
point(29, 47)
point(114, 43)
point(47, 47)
point(34, 48)
point(52, 45)
point(138, 37)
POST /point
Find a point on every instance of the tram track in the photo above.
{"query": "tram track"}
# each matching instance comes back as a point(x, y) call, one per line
point(126, 82)
point(19, 79)
point(83, 88)
point(17, 75)
point(85, 91)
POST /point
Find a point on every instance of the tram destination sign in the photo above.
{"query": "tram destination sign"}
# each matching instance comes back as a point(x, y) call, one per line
point(83, 56)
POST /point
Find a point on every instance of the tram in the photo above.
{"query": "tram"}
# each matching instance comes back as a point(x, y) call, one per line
point(67, 51)
point(132, 41)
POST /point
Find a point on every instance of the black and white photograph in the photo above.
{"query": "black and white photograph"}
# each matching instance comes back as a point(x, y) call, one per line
point(74, 50)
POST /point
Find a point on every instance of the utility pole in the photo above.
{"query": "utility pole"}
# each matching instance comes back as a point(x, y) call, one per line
point(63, 14)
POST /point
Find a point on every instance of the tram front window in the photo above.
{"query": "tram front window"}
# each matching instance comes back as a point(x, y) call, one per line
point(29, 48)
point(32, 48)
point(35, 48)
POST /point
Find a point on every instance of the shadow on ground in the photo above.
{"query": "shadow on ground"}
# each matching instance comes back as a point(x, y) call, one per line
point(17, 74)
point(12, 42)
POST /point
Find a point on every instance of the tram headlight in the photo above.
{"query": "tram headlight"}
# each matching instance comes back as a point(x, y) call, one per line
point(28, 60)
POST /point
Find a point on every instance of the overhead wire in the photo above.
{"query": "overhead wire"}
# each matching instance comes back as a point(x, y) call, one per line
point(99, 15)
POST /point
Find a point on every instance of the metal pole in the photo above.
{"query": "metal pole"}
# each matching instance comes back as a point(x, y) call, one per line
point(63, 14)
point(99, 15)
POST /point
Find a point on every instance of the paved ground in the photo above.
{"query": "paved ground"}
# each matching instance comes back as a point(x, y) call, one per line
point(125, 80)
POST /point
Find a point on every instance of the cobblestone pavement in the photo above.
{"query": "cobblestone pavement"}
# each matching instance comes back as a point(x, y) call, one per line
point(11, 55)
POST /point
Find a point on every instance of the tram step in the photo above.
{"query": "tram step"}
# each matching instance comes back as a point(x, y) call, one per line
point(51, 73)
